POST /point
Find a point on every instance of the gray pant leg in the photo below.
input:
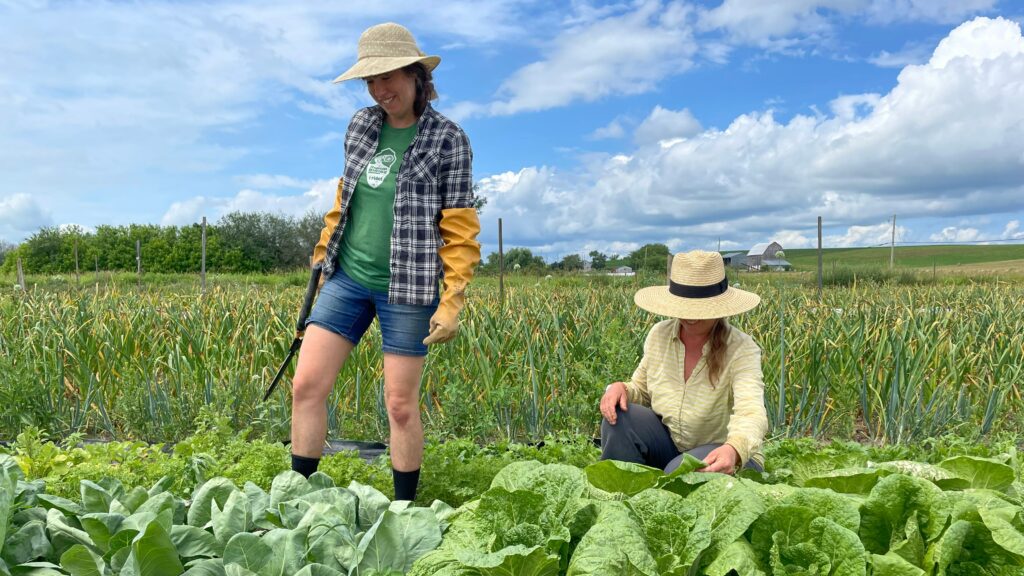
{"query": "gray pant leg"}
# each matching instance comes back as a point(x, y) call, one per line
point(637, 436)
point(701, 452)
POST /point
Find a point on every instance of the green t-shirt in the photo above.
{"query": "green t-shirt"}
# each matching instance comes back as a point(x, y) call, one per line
point(365, 253)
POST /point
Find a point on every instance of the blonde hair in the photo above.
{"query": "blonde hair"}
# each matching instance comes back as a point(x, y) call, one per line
point(716, 356)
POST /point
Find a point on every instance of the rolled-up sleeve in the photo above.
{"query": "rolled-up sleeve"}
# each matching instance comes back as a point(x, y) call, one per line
point(748, 423)
point(637, 385)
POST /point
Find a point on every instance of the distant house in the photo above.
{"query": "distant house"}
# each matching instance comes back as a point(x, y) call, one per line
point(622, 271)
point(735, 260)
point(761, 252)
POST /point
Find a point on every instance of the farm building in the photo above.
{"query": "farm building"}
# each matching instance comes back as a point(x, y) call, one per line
point(775, 265)
point(735, 260)
point(622, 271)
point(761, 252)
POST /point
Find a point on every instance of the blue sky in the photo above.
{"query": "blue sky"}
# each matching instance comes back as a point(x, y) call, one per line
point(595, 125)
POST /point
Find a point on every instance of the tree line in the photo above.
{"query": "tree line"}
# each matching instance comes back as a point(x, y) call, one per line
point(240, 242)
point(247, 242)
point(647, 257)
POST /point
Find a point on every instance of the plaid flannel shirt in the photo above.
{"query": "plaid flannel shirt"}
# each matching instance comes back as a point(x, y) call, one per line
point(436, 174)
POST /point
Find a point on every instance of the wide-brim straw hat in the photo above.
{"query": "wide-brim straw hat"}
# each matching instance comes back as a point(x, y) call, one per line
point(385, 48)
point(698, 290)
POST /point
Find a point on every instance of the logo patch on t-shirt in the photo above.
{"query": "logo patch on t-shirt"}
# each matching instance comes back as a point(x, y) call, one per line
point(379, 167)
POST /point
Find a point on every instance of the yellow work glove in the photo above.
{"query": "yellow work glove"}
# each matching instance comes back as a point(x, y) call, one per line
point(460, 253)
point(331, 220)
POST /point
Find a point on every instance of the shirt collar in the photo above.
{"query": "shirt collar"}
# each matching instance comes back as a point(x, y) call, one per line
point(378, 114)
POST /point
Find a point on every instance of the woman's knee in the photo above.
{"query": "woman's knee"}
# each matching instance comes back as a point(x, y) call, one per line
point(308, 389)
point(402, 407)
point(623, 419)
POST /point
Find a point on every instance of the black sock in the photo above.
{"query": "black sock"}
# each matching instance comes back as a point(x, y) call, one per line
point(405, 484)
point(305, 466)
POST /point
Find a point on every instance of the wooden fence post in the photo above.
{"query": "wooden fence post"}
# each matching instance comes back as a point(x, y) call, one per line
point(501, 267)
point(819, 258)
point(203, 269)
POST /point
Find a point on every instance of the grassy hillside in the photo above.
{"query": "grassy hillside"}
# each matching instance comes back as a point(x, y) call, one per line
point(906, 257)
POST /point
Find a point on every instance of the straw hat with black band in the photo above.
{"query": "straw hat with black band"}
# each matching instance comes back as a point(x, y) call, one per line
point(385, 48)
point(697, 290)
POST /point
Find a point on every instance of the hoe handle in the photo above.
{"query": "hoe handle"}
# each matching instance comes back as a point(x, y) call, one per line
point(307, 301)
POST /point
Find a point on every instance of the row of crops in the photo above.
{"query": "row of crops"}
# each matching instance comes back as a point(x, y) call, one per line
point(869, 362)
point(963, 515)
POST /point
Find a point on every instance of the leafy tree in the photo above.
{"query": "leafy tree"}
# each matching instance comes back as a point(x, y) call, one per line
point(524, 258)
point(615, 261)
point(572, 262)
point(309, 227)
point(187, 253)
point(521, 259)
point(649, 257)
point(598, 261)
point(114, 248)
point(5, 249)
point(42, 254)
point(252, 237)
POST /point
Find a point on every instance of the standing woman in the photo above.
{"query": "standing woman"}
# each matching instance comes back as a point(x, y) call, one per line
point(403, 219)
point(698, 389)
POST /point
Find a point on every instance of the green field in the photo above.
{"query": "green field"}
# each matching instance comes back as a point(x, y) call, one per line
point(905, 256)
point(877, 362)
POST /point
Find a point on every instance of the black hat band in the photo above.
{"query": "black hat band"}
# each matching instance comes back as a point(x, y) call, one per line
point(687, 291)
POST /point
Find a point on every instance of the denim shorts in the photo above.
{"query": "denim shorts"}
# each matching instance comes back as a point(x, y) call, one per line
point(347, 308)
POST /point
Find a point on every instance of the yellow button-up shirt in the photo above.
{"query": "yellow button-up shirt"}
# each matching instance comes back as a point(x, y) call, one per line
point(695, 412)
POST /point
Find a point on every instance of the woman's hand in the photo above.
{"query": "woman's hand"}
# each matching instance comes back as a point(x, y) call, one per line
point(723, 459)
point(614, 395)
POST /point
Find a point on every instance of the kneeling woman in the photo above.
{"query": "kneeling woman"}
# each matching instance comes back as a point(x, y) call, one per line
point(699, 388)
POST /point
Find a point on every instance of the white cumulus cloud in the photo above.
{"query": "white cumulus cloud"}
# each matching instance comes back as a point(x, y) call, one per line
point(1012, 231)
point(664, 124)
point(788, 24)
point(318, 198)
point(614, 129)
point(945, 141)
point(621, 54)
point(956, 234)
point(115, 94)
point(21, 215)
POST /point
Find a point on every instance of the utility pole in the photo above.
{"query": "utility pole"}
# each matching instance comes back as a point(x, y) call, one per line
point(719, 243)
point(892, 246)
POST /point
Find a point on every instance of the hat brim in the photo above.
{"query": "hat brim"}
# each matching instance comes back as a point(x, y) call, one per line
point(380, 65)
point(659, 300)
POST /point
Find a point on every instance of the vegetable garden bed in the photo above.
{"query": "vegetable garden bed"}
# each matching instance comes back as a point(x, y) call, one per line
point(818, 510)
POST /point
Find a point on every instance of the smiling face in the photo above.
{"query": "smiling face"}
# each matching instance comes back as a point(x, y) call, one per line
point(395, 92)
point(696, 328)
